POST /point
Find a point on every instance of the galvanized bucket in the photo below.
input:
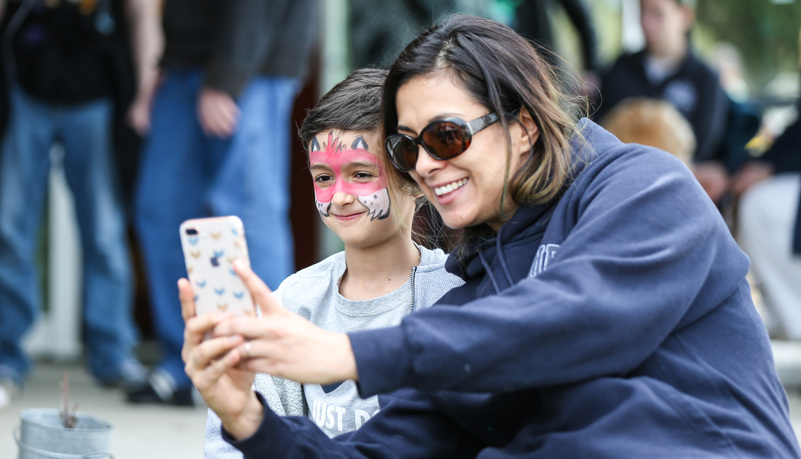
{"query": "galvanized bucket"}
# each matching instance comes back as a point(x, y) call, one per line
point(42, 436)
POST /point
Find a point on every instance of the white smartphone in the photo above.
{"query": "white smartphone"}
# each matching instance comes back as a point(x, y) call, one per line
point(210, 245)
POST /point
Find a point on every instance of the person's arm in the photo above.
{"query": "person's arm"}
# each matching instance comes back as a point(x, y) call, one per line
point(408, 426)
point(644, 244)
point(148, 43)
point(283, 397)
point(244, 33)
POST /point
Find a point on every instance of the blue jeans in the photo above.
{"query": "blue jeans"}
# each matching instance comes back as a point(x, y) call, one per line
point(85, 132)
point(185, 174)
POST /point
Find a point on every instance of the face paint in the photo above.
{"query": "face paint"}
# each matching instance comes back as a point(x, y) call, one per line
point(372, 194)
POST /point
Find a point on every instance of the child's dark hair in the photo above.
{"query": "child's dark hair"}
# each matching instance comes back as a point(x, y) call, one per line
point(354, 104)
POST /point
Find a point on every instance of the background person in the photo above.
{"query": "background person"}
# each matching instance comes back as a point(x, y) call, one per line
point(219, 145)
point(668, 69)
point(769, 229)
point(66, 78)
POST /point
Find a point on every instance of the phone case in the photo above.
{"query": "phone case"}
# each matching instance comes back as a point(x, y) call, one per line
point(210, 245)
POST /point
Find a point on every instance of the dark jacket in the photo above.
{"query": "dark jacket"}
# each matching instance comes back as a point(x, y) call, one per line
point(694, 90)
point(615, 322)
point(234, 40)
point(65, 54)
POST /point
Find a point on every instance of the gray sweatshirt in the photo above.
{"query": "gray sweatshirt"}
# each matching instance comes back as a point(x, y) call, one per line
point(314, 294)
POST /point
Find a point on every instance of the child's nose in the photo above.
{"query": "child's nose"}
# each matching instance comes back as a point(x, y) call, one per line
point(342, 199)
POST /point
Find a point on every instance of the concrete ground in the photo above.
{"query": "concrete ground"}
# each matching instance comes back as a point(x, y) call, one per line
point(139, 431)
point(155, 432)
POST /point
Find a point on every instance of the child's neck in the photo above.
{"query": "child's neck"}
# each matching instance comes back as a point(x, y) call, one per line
point(376, 271)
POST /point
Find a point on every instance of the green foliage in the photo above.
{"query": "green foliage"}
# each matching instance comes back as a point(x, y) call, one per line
point(766, 33)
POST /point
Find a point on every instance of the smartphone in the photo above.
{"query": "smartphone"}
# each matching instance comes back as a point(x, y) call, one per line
point(210, 246)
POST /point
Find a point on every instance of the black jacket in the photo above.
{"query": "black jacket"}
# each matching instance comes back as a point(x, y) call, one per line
point(65, 54)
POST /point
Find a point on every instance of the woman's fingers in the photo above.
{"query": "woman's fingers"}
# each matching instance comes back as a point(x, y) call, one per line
point(210, 351)
point(187, 298)
point(261, 294)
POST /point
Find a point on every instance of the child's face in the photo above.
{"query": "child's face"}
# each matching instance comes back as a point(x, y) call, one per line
point(350, 185)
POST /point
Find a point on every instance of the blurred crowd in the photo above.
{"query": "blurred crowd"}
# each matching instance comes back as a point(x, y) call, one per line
point(177, 109)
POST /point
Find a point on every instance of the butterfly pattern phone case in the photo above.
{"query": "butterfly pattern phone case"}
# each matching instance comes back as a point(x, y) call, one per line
point(210, 246)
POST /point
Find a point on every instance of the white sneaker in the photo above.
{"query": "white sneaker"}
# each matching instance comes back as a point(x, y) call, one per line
point(8, 392)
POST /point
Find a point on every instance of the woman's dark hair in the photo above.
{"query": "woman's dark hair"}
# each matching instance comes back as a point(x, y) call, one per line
point(354, 104)
point(503, 72)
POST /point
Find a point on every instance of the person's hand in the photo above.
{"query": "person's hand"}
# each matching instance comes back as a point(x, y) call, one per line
point(138, 116)
point(285, 344)
point(217, 113)
point(713, 178)
point(750, 175)
point(212, 367)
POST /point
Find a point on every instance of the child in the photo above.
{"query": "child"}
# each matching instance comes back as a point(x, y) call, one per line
point(652, 122)
point(381, 276)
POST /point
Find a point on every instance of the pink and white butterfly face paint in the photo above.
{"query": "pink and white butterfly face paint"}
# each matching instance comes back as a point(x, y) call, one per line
point(353, 171)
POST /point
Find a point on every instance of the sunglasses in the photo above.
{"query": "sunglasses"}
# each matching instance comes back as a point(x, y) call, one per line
point(443, 139)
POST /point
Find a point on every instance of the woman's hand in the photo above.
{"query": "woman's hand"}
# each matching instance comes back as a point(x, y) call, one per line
point(212, 366)
point(285, 344)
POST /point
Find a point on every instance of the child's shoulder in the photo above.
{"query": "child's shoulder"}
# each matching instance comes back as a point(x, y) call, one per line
point(322, 268)
point(431, 259)
point(316, 276)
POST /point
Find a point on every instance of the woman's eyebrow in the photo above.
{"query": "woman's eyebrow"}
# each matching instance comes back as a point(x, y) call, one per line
point(438, 117)
point(405, 128)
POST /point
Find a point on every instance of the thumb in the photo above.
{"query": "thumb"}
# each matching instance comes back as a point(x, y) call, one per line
point(259, 291)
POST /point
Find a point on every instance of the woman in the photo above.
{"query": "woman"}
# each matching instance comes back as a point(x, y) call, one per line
point(605, 311)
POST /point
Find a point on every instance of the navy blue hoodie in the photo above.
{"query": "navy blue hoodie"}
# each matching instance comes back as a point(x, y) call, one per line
point(614, 322)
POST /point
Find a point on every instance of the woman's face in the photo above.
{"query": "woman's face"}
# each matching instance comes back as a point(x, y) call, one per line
point(466, 190)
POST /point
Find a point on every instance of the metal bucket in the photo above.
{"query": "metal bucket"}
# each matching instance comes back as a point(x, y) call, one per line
point(42, 436)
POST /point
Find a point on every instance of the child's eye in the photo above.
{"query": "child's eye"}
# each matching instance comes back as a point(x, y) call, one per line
point(323, 179)
point(364, 175)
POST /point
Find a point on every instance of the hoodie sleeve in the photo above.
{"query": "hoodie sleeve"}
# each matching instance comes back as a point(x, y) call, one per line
point(646, 244)
point(407, 426)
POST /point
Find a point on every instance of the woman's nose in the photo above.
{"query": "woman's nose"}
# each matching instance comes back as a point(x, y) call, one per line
point(426, 164)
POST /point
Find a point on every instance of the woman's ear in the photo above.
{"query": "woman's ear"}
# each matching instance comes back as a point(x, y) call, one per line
point(524, 139)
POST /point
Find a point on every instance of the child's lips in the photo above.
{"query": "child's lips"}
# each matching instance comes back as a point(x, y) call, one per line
point(349, 216)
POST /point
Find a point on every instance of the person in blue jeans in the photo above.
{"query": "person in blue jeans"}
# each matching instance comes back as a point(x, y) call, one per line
point(219, 145)
point(62, 91)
